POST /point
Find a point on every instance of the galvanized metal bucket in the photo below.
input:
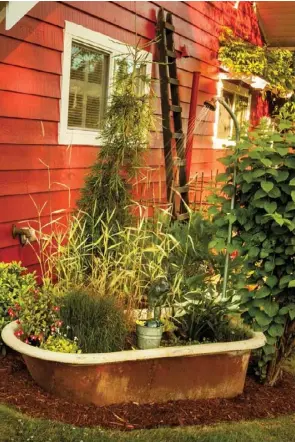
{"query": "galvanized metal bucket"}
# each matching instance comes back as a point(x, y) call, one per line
point(148, 337)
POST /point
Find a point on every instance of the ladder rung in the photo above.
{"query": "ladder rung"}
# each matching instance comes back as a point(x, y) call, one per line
point(183, 189)
point(179, 162)
point(182, 216)
point(175, 108)
point(173, 81)
point(171, 54)
point(178, 135)
point(169, 26)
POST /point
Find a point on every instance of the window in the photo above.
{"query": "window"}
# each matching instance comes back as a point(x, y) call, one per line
point(89, 61)
point(239, 99)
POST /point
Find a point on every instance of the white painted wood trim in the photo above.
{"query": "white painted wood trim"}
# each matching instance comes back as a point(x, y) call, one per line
point(112, 47)
point(15, 11)
point(258, 340)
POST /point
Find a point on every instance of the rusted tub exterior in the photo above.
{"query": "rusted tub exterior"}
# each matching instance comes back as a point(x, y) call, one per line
point(142, 376)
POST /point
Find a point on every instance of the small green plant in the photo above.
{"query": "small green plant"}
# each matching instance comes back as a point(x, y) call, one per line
point(263, 233)
point(241, 57)
point(14, 284)
point(37, 314)
point(60, 344)
point(99, 322)
point(157, 295)
point(202, 315)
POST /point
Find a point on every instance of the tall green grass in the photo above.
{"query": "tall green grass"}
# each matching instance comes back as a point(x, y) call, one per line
point(99, 323)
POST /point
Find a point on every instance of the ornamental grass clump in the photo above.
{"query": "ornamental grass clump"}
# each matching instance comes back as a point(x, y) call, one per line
point(263, 221)
point(97, 322)
point(125, 137)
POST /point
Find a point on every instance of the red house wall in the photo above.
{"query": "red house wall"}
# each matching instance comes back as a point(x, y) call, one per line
point(34, 169)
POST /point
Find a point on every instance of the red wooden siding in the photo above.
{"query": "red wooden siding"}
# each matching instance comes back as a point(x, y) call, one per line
point(36, 172)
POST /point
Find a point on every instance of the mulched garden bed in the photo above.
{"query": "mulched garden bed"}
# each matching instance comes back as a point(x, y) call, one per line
point(18, 389)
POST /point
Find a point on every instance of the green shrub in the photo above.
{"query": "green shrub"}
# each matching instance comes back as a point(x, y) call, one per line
point(14, 283)
point(61, 344)
point(263, 231)
point(38, 314)
point(98, 322)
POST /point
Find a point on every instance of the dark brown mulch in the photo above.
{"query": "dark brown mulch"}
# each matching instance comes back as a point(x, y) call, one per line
point(257, 401)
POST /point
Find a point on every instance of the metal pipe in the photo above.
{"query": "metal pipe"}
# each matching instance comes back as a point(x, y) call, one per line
point(232, 203)
point(211, 105)
point(191, 123)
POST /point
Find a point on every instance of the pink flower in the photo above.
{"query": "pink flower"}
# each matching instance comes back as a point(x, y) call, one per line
point(56, 308)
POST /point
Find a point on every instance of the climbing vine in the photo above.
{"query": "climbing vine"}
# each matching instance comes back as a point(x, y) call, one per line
point(242, 57)
point(264, 235)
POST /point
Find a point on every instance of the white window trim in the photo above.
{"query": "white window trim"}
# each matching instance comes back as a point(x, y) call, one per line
point(112, 47)
point(220, 143)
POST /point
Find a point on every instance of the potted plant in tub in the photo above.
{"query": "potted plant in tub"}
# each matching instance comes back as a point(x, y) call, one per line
point(149, 332)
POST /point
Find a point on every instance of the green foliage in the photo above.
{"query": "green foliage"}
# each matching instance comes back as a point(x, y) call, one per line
point(14, 283)
point(99, 323)
point(38, 314)
point(241, 57)
point(203, 316)
point(60, 344)
point(263, 233)
point(125, 137)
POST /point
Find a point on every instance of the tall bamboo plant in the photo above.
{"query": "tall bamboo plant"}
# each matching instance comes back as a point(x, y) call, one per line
point(125, 137)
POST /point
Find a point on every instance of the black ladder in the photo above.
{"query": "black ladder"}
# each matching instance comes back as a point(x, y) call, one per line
point(176, 181)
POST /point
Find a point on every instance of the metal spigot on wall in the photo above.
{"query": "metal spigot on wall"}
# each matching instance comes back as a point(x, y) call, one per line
point(26, 235)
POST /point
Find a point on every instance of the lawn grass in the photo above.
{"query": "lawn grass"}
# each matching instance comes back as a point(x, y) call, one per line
point(16, 427)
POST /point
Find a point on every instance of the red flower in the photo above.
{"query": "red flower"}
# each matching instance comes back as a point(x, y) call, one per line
point(56, 308)
point(59, 323)
point(11, 312)
point(234, 254)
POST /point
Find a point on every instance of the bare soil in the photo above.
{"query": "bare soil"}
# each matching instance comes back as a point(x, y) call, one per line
point(19, 390)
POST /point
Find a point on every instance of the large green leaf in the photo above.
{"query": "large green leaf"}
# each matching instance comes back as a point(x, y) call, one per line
point(276, 330)
point(269, 266)
point(271, 281)
point(267, 186)
point(283, 151)
point(258, 173)
point(275, 193)
point(254, 252)
point(222, 177)
point(248, 177)
point(259, 194)
point(263, 292)
point(262, 319)
point(266, 162)
point(270, 207)
point(282, 175)
point(290, 162)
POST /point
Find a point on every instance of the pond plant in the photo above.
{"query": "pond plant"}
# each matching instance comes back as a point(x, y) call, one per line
point(263, 236)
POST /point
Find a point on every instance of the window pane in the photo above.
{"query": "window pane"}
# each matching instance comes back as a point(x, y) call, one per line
point(241, 108)
point(88, 87)
point(140, 73)
point(224, 119)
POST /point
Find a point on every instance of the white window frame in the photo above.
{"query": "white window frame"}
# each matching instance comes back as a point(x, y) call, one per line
point(219, 143)
point(86, 137)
